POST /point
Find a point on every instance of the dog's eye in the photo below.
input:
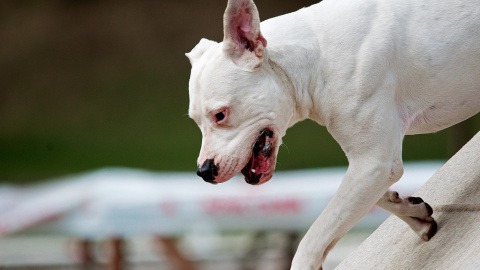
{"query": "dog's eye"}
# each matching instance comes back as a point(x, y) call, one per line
point(220, 116)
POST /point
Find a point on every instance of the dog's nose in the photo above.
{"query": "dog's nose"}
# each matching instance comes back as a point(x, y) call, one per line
point(208, 171)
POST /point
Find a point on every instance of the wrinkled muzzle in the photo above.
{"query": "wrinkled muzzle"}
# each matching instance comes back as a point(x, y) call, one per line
point(254, 159)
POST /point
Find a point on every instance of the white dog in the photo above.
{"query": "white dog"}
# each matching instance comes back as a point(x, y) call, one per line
point(371, 71)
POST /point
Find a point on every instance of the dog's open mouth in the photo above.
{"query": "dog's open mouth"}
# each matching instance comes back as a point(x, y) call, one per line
point(259, 162)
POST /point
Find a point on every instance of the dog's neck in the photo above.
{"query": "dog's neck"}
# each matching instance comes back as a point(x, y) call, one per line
point(296, 64)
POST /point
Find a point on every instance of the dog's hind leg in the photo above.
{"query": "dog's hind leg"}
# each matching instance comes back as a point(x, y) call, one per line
point(413, 210)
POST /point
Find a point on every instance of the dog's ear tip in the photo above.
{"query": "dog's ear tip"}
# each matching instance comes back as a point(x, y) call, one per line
point(242, 37)
point(190, 57)
point(200, 49)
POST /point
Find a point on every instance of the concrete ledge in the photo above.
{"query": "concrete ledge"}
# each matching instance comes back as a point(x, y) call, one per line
point(454, 193)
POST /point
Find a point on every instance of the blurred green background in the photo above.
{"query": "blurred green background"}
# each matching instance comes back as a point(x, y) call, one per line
point(88, 84)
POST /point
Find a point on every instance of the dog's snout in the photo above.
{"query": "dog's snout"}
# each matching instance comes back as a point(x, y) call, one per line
point(208, 171)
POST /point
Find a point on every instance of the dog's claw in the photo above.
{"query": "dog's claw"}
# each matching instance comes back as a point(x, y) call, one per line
point(429, 209)
point(432, 231)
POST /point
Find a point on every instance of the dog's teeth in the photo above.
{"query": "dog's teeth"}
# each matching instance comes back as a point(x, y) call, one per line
point(253, 170)
point(267, 149)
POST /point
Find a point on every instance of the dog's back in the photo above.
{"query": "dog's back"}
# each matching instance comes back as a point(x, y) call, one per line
point(429, 50)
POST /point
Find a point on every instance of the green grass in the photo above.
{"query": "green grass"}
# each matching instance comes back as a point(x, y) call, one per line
point(168, 145)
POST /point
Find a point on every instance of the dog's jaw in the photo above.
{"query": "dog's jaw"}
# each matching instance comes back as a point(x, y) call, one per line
point(261, 163)
point(255, 159)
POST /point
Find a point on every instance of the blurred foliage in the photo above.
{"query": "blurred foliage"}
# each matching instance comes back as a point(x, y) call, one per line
point(87, 84)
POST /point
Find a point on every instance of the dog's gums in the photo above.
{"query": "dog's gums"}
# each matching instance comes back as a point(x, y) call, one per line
point(259, 162)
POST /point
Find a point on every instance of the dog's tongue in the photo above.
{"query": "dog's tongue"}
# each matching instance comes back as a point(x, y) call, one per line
point(259, 162)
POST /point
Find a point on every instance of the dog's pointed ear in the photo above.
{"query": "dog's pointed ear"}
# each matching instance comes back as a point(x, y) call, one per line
point(199, 50)
point(242, 40)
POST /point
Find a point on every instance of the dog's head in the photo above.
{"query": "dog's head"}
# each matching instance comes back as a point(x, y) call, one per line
point(237, 100)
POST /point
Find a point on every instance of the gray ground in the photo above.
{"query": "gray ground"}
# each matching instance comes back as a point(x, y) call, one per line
point(226, 252)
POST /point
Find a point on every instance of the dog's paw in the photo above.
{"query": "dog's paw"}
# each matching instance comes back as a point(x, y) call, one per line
point(426, 229)
point(414, 211)
point(420, 215)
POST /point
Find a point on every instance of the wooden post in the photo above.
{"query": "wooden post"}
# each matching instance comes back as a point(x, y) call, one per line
point(81, 251)
point(291, 248)
point(85, 255)
point(116, 254)
point(173, 254)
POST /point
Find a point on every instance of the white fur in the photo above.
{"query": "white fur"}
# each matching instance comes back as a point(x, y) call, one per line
point(371, 71)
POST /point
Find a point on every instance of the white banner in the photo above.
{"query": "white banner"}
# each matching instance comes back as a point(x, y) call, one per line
point(116, 201)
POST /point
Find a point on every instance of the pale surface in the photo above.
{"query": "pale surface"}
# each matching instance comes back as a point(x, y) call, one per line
point(454, 194)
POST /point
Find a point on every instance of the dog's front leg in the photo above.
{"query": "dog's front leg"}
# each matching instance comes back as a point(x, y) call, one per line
point(372, 142)
point(363, 185)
